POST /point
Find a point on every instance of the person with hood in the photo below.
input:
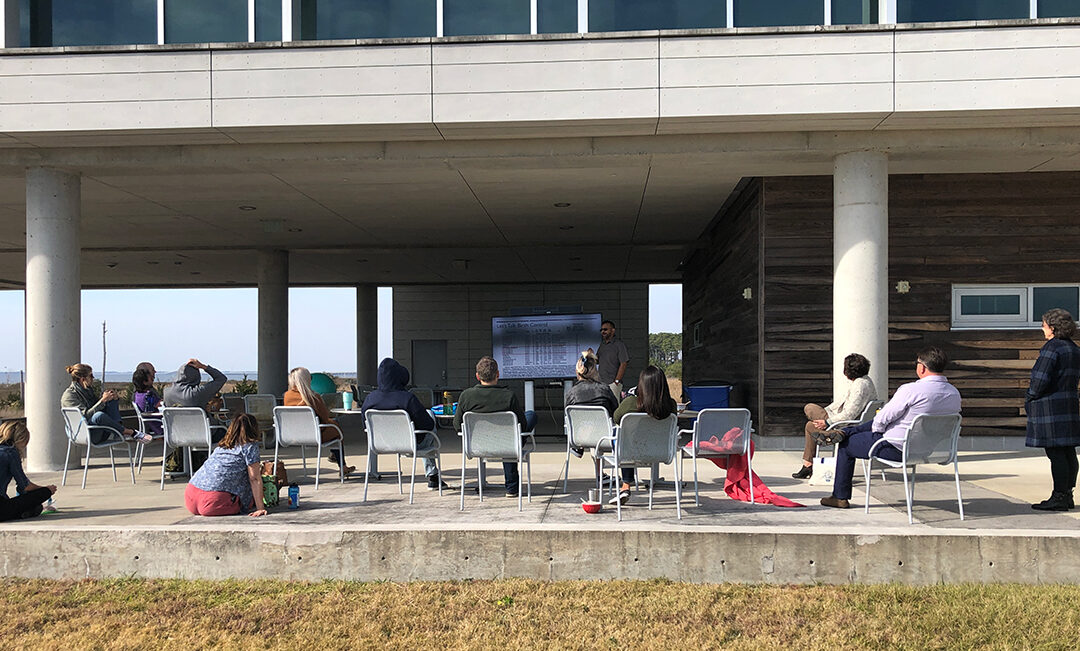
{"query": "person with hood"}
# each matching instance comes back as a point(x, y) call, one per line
point(393, 378)
point(301, 395)
point(188, 391)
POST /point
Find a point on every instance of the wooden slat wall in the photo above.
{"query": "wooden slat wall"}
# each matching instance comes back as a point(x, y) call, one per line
point(943, 229)
point(727, 261)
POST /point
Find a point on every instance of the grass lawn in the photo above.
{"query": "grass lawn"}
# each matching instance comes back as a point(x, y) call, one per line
point(512, 614)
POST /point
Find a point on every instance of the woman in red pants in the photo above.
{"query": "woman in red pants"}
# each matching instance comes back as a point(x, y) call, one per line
point(230, 482)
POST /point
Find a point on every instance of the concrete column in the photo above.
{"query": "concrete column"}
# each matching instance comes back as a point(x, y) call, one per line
point(53, 318)
point(861, 265)
point(9, 23)
point(273, 322)
point(367, 333)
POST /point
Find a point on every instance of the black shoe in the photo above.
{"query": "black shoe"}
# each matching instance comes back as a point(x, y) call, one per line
point(806, 472)
point(512, 491)
point(433, 484)
point(577, 452)
point(1057, 502)
point(333, 457)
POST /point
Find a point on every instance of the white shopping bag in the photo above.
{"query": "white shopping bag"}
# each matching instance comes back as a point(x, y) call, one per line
point(824, 469)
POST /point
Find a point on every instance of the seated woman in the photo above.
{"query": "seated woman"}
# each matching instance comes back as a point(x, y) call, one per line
point(27, 504)
point(103, 410)
point(588, 389)
point(301, 395)
point(653, 398)
point(860, 391)
point(146, 399)
point(230, 482)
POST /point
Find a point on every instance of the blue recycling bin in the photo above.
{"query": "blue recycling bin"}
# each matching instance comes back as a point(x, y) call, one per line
point(705, 396)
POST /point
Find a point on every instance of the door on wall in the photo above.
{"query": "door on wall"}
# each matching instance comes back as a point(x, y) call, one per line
point(429, 362)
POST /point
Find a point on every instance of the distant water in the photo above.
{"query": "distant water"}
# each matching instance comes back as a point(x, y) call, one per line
point(12, 377)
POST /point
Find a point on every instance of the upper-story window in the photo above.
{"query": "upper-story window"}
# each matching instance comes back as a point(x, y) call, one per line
point(631, 15)
point(78, 22)
point(337, 19)
point(206, 21)
point(1010, 306)
point(932, 11)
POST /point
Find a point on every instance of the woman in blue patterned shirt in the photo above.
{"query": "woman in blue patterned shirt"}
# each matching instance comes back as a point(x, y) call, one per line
point(230, 481)
point(1053, 406)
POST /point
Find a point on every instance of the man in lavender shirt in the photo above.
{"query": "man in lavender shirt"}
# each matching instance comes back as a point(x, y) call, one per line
point(931, 394)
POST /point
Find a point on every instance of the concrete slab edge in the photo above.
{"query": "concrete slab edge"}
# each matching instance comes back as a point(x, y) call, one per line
point(439, 555)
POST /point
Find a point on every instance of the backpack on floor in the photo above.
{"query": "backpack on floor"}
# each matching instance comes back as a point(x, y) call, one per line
point(270, 491)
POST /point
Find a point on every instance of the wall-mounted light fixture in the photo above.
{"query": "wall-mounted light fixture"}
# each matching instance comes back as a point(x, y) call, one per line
point(748, 294)
point(903, 287)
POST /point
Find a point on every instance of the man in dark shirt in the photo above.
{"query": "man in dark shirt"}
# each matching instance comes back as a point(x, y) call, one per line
point(488, 397)
point(614, 358)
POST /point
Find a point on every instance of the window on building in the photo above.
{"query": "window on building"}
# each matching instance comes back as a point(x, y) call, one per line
point(1059, 9)
point(206, 21)
point(342, 19)
point(854, 12)
point(930, 11)
point(556, 16)
point(78, 22)
point(267, 20)
point(480, 17)
point(761, 13)
point(633, 15)
point(1010, 306)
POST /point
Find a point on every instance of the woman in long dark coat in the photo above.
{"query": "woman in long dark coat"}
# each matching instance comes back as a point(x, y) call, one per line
point(1053, 406)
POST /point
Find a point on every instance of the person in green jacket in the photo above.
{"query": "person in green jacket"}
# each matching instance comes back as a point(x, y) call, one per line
point(487, 397)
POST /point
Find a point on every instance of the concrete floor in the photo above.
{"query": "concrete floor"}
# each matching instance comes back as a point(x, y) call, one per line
point(997, 486)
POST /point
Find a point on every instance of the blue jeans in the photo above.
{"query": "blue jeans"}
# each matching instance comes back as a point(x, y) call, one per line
point(510, 470)
point(107, 417)
point(856, 445)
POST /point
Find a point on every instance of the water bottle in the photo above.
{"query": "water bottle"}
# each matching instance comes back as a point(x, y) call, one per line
point(294, 496)
point(447, 403)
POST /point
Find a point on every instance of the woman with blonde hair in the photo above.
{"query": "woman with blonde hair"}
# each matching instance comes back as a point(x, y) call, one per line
point(230, 482)
point(301, 395)
point(102, 410)
point(588, 389)
point(27, 504)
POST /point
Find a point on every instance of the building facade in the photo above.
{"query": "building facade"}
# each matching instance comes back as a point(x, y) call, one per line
point(791, 163)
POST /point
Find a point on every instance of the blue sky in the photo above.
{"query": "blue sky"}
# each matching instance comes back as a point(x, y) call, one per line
point(218, 326)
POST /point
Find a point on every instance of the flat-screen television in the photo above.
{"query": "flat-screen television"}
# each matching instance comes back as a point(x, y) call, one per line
point(542, 347)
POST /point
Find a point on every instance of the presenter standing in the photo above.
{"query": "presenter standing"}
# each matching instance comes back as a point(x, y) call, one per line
point(614, 358)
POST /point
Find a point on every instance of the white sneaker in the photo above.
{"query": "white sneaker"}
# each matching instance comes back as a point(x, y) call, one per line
point(622, 498)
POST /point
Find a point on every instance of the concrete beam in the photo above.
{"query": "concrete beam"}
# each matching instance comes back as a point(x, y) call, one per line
point(546, 553)
point(273, 322)
point(53, 315)
point(367, 333)
point(861, 266)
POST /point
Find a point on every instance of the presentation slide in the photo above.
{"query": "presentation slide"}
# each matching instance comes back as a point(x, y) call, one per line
point(542, 347)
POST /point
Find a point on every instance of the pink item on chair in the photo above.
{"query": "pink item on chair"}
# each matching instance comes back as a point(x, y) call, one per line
point(736, 484)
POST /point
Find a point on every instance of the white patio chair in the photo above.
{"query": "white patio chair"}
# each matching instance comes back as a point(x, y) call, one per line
point(299, 426)
point(188, 428)
point(393, 432)
point(144, 421)
point(717, 422)
point(233, 403)
point(645, 442)
point(78, 433)
point(261, 406)
point(585, 425)
point(930, 439)
point(426, 396)
point(495, 437)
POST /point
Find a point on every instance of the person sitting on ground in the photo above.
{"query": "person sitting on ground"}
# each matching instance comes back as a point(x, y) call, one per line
point(230, 481)
point(653, 397)
point(146, 400)
point(27, 504)
point(487, 397)
point(301, 395)
point(588, 389)
point(931, 394)
point(101, 410)
point(819, 419)
point(392, 394)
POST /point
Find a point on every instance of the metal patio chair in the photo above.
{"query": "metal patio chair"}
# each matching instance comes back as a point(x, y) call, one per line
point(930, 439)
point(78, 431)
point(261, 406)
point(645, 442)
point(495, 437)
point(393, 432)
point(145, 420)
point(717, 422)
point(585, 426)
point(299, 426)
point(188, 428)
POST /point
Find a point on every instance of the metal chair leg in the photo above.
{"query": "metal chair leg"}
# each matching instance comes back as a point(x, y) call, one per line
point(112, 463)
point(86, 464)
point(67, 458)
point(412, 479)
point(367, 475)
